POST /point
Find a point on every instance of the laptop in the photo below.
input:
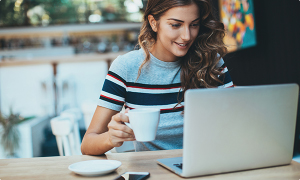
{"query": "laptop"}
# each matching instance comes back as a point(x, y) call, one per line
point(234, 129)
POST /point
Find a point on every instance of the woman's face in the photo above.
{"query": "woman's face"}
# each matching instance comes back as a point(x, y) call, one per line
point(176, 32)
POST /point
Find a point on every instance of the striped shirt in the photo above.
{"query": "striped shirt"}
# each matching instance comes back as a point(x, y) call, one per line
point(158, 86)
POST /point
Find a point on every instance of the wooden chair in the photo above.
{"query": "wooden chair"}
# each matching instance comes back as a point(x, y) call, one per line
point(62, 128)
point(75, 116)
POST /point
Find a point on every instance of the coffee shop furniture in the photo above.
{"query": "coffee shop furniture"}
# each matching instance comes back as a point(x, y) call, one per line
point(62, 128)
point(57, 168)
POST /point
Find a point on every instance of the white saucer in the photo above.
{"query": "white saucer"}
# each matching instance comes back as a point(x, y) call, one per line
point(94, 167)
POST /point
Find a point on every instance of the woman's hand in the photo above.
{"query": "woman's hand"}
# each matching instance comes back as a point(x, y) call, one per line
point(118, 131)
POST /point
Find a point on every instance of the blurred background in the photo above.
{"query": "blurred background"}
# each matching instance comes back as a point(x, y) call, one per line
point(55, 54)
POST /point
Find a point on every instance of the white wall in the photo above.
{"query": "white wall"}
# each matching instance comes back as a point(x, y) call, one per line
point(85, 81)
point(29, 89)
point(21, 87)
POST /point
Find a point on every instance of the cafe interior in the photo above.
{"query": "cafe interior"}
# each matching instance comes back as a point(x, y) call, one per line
point(55, 55)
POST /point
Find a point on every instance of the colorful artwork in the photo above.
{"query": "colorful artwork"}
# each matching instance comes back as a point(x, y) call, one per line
point(238, 18)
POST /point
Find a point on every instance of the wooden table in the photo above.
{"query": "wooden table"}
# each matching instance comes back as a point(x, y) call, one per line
point(56, 168)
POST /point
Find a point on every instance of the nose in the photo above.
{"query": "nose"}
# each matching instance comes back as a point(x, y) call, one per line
point(186, 34)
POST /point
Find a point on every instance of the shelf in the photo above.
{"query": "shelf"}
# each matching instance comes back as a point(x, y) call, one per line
point(67, 30)
point(63, 59)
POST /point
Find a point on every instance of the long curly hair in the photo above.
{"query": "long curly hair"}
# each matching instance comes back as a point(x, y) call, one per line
point(199, 66)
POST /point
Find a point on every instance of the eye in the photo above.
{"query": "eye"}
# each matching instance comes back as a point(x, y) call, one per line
point(195, 25)
point(175, 25)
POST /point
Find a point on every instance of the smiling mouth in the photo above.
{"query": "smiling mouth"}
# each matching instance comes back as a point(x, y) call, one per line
point(182, 44)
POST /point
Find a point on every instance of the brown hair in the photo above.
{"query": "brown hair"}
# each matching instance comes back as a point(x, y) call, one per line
point(199, 65)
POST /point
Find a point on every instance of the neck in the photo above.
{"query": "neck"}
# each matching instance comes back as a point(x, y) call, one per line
point(159, 54)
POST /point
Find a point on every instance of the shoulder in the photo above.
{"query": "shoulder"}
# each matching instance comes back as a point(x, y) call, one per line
point(129, 58)
point(130, 61)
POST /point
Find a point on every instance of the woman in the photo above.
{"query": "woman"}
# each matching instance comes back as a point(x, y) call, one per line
point(181, 48)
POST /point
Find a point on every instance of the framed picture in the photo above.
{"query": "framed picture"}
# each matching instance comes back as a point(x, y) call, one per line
point(238, 18)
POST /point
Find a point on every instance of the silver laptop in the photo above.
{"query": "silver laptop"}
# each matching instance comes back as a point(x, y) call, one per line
point(235, 129)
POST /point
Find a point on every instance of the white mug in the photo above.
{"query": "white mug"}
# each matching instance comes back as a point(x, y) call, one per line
point(144, 123)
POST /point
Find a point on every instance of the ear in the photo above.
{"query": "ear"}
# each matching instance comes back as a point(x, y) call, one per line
point(152, 22)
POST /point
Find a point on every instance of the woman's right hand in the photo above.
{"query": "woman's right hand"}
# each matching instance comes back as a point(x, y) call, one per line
point(118, 131)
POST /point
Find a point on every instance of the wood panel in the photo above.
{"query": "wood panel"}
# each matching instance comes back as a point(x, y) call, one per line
point(57, 168)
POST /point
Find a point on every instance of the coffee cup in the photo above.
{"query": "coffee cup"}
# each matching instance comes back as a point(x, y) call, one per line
point(144, 123)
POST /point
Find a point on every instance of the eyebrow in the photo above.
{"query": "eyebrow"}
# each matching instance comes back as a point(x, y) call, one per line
point(181, 20)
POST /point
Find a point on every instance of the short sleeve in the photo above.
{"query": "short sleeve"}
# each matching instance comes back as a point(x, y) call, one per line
point(225, 78)
point(114, 88)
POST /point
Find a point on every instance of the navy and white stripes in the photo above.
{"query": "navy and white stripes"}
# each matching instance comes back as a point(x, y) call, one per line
point(158, 86)
point(137, 95)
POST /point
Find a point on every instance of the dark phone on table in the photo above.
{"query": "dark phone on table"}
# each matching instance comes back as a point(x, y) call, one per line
point(133, 176)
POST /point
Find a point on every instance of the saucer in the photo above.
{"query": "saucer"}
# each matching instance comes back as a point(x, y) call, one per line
point(94, 167)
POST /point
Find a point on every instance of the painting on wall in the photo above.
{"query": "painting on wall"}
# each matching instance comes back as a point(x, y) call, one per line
point(238, 18)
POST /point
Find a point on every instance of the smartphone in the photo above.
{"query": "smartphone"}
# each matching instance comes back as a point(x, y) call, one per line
point(133, 176)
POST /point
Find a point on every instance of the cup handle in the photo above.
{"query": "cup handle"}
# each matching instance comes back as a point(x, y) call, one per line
point(127, 124)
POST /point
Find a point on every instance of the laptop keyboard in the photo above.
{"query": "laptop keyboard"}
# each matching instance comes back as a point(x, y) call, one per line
point(179, 165)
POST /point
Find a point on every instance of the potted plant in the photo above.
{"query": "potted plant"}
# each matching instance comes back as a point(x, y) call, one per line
point(10, 135)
